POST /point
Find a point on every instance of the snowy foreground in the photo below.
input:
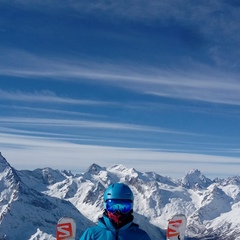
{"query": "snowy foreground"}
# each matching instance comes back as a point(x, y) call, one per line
point(31, 202)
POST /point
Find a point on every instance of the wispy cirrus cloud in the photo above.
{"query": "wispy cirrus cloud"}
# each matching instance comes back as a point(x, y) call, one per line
point(201, 83)
point(138, 9)
point(48, 110)
point(47, 96)
point(29, 150)
point(210, 18)
point(215, 21)
point(47, 122)
point(212, 24)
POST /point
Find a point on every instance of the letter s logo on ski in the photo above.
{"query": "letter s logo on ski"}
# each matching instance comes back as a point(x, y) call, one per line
point(176, 227)
point(173, 228)
point(64, 231)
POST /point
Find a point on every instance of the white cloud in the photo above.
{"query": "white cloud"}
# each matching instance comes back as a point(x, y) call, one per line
point(34, 152)
point(50, 110)
point(135, 9)
point(200, 83)
point(48, 123)
point(47, 97)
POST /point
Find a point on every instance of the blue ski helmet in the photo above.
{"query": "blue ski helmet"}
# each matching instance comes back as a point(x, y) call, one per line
point(118, 191)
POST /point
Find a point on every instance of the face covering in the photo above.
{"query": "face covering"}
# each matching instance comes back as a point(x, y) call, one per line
point(116, 217)
point(120, 218)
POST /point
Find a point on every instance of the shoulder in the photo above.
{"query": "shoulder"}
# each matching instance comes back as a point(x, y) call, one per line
point(91, 232)
point(139, 232)
point(97, 228)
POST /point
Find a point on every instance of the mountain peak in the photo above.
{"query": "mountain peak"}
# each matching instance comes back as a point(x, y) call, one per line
point(195, 178)
point(3, 163)
point(7, 170)
point(121, 167)
point(94, 169)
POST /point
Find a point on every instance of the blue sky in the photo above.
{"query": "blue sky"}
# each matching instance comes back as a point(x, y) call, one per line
point(152, 85)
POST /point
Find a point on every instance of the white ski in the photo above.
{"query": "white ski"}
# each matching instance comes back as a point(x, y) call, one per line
point(66, 229)
point(176, 227)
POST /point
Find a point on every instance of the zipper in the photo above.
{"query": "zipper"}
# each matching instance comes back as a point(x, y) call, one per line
point(117, 234)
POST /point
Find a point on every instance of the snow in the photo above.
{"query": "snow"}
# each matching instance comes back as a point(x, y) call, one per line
point(33, 201)
point(40, 235)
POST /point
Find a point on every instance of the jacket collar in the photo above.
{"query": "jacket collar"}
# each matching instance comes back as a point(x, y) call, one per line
point(106, 222)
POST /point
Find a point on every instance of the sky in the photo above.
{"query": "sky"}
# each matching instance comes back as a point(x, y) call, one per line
point(152, 85)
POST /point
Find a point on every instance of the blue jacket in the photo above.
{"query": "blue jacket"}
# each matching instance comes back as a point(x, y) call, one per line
point(106, 231)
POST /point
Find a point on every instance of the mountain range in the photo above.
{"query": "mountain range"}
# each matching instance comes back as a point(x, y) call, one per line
point(32, 201)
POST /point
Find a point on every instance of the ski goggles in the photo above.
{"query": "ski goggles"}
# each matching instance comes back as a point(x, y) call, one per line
point(122, 205)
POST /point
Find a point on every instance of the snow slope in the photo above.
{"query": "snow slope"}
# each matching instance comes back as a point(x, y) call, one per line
point(33, 201)
point(26, 213)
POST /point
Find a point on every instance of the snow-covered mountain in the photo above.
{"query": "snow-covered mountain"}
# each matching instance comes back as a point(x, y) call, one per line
point(31, 202)
point(26, 212)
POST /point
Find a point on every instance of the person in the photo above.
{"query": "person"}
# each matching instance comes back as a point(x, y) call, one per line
point(117, 220)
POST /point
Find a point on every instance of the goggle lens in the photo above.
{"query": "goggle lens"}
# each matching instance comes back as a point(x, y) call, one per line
point(114, 205)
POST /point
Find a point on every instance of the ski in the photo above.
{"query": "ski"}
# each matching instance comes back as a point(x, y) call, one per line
point(176, 227)
point(66, 229)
